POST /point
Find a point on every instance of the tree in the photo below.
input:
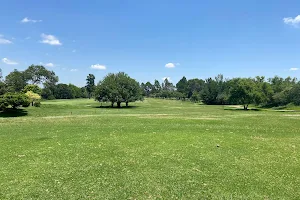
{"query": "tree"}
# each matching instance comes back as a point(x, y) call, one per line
point(14, 100)
point(156, 86)
point(182, 85)
point(38, 74)
point(76, 91)
point(147, 88)
point(34, 88)
point(294, 94)
point(194, 86)
point(209, 93)
point(15, 81)
point(167, 85)
point(3, 88)
point(90, 84)
point(118, 88)
point(243, 92)
point(33, 97)
point(63, 91)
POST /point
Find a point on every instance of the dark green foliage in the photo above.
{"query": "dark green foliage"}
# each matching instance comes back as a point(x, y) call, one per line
point(209, 93)
point(182, 85)
point(14, 100)
point(294, 94)
point(63, 91)
point(38, 74)
point(15, 81)
point(3, 88)
point(37, 104)
point(34, 88)
point(118, 88)
point(90, 85)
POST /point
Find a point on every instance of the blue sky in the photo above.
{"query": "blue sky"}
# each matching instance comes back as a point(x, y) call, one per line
point(196, 39)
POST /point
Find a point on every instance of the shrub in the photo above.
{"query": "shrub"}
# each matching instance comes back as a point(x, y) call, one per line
point(14, 100)
point(37, 104)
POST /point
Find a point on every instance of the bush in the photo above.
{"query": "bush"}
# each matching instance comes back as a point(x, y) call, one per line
point(14, 100)
point(37, 104)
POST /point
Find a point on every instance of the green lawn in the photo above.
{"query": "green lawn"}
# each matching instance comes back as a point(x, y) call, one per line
point(156, 149)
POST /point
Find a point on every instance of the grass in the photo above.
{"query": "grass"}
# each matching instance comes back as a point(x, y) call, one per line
point(157, 149)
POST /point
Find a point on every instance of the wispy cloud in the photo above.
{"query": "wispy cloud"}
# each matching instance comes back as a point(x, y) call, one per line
point(98, 66)
point(27, 38)
point(292, 21)
point(172, 65)
point(74, 70)
point(294, 69)
point(50, 39)
point(74, 51)
point(9, 62)
point(47, 64)
point(4, 41)
point(27, 20)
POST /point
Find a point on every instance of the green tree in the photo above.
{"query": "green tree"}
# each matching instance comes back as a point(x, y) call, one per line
point(63, 91)
point(156, 87)
point(182, 85)
point(38, 74)
point(209, 93)
point(33, 97)
point(34, 88)
point(15, 81)
point(90, 84)
point(243, 92)
point(118, 88)
point(14, 100)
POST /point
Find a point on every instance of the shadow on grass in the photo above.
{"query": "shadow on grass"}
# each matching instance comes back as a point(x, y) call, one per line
point(13, 113)
point(115, 107)
point(241, 109)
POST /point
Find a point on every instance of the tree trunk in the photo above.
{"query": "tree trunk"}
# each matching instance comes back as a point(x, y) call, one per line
point(31, 103)
point(112, 104)
point(126, 104)
point(245, 107)
point(119, 104)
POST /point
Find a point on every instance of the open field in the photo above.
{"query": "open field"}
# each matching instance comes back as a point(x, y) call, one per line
point(156, 149)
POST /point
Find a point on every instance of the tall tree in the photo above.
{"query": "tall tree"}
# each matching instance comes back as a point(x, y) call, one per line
point(15, 81)
point(38, 74)
point(90, 84)
point(182, 85)
point(156, 86)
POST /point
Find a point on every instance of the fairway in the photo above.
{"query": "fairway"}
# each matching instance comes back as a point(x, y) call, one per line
point(155, 149)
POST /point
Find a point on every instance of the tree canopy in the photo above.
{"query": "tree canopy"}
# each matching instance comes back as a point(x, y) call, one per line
point(118, 88)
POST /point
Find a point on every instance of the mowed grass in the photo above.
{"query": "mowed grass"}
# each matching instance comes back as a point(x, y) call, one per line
point(156, 149)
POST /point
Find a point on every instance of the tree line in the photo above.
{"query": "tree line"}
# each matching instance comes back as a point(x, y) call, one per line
point(260, 91)
point(22, 88)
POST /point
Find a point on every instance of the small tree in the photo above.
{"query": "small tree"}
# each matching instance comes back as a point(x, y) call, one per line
point(33, 97)
point(14, 100)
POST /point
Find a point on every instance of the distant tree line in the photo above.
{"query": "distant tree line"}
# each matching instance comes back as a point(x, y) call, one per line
point(270, 92)
point(22, 88)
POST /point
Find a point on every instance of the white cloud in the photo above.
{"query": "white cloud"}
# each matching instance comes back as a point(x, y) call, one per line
point(27, 38)
point(97, 66)
point(4, 41)
point(27, 20)
point(74, 70)
point(9, 62)
point(50, 39)
point(172, 65)
point(292, 21)
point(169, 78)
point(49, 65)
point(294, 69)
